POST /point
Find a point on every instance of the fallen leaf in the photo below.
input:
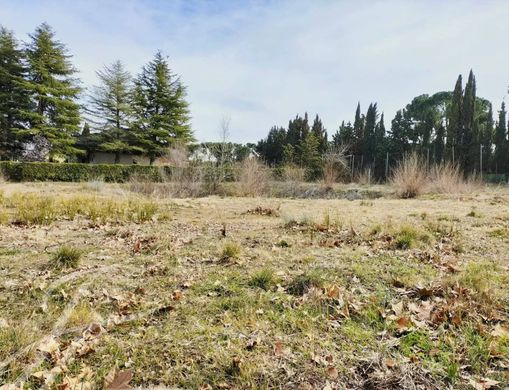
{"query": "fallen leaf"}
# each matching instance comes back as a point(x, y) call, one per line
point(333, 291)
point(483, 383)
point(403, 323)
point(118, 380)
point(332, 372)
point(278, 348)
point(177, 295)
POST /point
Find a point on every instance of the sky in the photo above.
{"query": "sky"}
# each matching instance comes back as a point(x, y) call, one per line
point(260, 63)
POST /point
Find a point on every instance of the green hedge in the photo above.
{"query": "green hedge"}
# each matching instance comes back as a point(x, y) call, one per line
point(74, 172)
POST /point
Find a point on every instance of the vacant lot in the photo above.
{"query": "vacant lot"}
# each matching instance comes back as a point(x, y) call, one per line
point(98, 284)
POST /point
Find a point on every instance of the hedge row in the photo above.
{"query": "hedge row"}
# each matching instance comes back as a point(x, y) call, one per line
point(75, 172)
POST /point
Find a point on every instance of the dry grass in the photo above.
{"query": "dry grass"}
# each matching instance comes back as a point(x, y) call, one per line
point(409, 177)
point(253, 178)
point(354, 295)
point(335, 166)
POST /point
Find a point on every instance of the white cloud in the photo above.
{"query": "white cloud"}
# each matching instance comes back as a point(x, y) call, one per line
point(260, 63)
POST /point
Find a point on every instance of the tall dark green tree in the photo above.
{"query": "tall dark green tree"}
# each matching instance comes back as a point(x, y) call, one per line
point(501, 159)
point(321, 135)
point(54, 88)
point(455, 121)
point(110, 105)
point(486, 138)
point(271, 148)
point(469, 138)
point(162, 117)
point(15, 102)
point(358, 129)
point(370, 140)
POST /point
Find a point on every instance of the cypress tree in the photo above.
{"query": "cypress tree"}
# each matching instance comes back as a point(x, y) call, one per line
point(55, 90)
point(455, 120)
point(500, 158)
point(469, 146)
point(162, 117)
point(369, 144)
point(358, 129)
point(14, 96)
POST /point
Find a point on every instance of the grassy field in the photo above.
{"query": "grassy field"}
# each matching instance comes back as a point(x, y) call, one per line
point(100, 287)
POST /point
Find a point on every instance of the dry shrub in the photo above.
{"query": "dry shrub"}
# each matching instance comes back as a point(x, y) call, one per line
point(294, 174)
point(335, 166)
point(409, 177)
point(447, 178)
point(142, 185)
point(253, 178)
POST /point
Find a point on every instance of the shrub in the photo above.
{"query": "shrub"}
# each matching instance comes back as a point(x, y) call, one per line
point(448, 179)
point(66, 257)
point(335, 166)
point(409, 177)
point(253, 178)
point(76, 172)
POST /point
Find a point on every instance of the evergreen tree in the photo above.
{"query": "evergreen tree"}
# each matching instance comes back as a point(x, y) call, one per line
point(399, 143)
point(14, 97)
point(344, 136)
point(161, 110)
point(271, 148)
point(358, 129)
point(310, 156)
point(486, 135)
point(455, 121)
point(380, 148)
point(54, 89)
point(321, 135)
point(501, 158)
point(469, 145)
point(111, 106)
point(369, 143)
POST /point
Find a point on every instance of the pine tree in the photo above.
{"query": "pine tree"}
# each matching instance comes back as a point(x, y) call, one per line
point(14, 97)
point(111, 107)
point(501, 158)
point(161, 110)
point(321, 135)
point(310, 156)
point(54, 89)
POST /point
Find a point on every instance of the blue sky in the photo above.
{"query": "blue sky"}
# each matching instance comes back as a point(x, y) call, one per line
point(259, 63)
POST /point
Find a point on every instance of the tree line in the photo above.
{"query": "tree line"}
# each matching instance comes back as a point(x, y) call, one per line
point(451, 126)
point(41, 97)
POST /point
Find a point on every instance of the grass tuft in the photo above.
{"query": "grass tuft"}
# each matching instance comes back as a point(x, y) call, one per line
point(66, 257)
point(263, 279)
